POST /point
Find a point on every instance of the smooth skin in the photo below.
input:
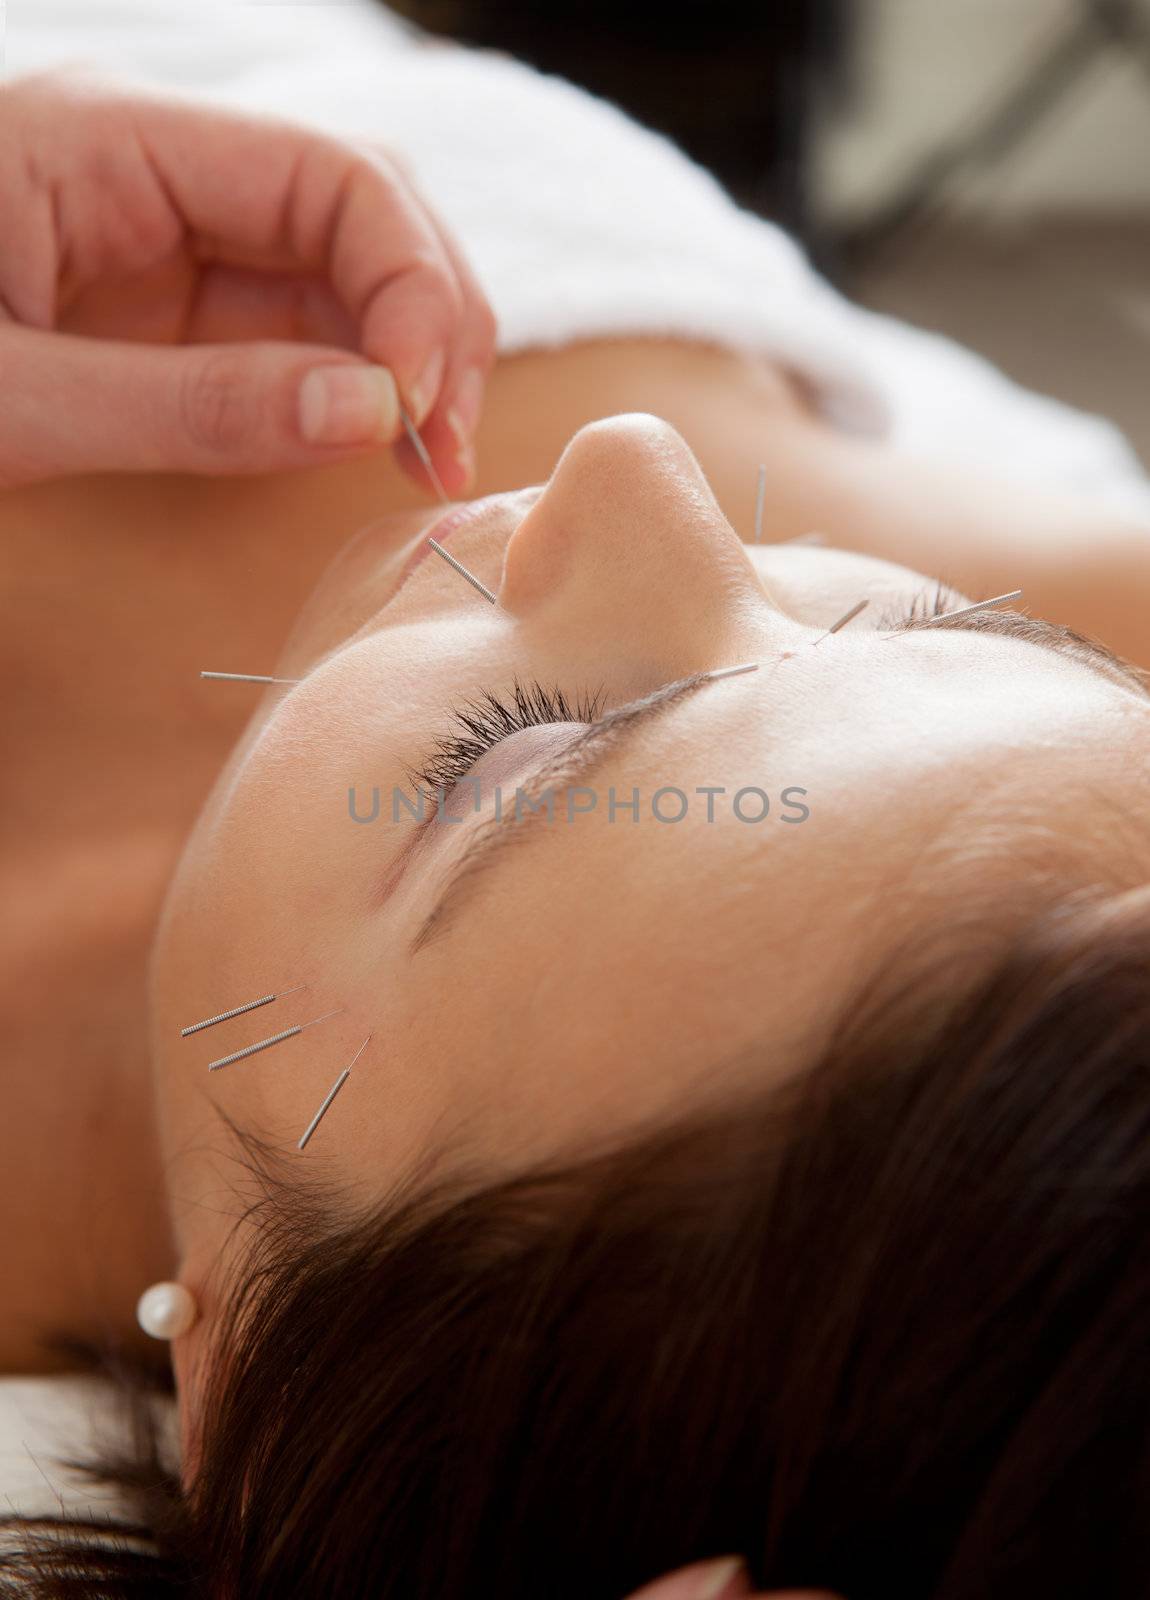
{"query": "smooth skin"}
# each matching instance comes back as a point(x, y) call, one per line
point(118, 587)
point(529, 1026)
point(568, 996)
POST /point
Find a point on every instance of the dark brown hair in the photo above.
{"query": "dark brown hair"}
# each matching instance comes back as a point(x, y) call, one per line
point(883, 1330)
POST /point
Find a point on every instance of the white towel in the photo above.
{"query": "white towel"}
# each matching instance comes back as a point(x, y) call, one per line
point(45, 1421)
point(582, 224)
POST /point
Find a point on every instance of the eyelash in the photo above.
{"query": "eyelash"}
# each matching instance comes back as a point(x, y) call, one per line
point(484, 722)
point(930, 601)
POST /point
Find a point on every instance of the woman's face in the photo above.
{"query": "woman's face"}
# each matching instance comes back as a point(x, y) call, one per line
point(531, 983)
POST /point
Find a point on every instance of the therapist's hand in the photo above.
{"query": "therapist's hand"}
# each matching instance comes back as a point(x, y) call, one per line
point(186, 289)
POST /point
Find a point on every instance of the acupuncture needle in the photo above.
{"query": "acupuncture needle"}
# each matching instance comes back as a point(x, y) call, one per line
point(238, 1011)
point(331, 1094)
point(421, 450)
point(266, 1044)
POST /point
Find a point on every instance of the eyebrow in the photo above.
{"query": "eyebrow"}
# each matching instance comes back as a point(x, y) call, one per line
point(576, 761)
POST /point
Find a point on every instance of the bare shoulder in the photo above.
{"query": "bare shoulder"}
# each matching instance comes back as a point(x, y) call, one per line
point(1106, 583)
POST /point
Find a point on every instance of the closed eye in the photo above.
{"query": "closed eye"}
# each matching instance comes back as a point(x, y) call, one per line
point(486, 720)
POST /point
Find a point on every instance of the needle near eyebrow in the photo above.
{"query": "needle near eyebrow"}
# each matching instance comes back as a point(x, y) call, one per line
point(842, 622)
point(965, 611)
point(731, 672)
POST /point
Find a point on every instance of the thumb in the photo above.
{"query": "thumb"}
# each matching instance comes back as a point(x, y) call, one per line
point(70, 404)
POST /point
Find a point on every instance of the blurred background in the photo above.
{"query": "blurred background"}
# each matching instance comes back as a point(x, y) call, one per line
point(974, 166)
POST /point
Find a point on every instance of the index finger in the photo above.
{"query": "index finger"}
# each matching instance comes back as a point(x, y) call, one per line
point(263, 191)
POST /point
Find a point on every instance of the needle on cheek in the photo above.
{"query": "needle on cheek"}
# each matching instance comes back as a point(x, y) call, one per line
point(266, 1044)
point(331, 1094)
point(238, 1011)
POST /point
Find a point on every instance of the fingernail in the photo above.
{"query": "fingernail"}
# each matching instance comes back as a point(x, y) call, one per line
point(466, 461)
point(348, 405)
point(468, 397)
point(463, 448)
point(717, 1579)
point(426, 388)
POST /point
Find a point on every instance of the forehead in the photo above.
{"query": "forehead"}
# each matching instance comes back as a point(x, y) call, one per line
point(802, 798)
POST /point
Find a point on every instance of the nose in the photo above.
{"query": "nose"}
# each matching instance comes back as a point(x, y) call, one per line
point(628, 544)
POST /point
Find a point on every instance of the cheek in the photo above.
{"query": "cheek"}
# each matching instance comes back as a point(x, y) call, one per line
point(260, 906)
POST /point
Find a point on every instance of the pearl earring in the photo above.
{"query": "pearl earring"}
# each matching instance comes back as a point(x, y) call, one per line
point(166, 1310)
